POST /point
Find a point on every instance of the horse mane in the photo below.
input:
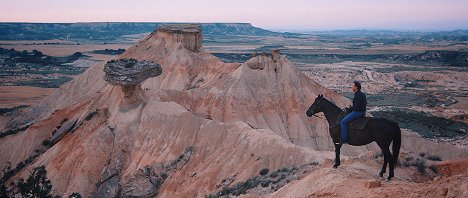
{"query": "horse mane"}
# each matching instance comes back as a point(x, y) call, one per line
point(331, 103)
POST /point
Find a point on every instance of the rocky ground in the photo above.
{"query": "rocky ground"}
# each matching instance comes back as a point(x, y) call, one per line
point(357, 177)
point(417, 175)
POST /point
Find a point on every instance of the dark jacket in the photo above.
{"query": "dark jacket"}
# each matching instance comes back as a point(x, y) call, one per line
point(359, 102)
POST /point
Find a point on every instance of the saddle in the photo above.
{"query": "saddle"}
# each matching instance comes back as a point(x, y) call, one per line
point(358, 124)
point(356, 130)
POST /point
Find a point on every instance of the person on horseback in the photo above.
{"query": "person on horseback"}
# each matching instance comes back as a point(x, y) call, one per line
point(358, 110)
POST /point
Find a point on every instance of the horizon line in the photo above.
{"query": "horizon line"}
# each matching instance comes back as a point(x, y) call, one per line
point(276, 29)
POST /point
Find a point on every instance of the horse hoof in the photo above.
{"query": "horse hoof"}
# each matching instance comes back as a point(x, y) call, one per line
point(381, 174)
point(389, 178)
point(335, 166)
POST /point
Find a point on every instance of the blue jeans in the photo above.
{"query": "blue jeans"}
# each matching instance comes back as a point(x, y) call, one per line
point(344, 123)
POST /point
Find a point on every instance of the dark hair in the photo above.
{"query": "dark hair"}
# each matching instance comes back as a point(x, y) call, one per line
point(357, 84)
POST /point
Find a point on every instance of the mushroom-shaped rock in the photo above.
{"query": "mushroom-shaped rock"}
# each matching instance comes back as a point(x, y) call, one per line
point(129, 74)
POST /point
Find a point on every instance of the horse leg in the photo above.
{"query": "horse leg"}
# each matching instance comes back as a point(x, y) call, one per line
point(389, 158)
point(391, 167)
point(337, 155)
point(384, 167)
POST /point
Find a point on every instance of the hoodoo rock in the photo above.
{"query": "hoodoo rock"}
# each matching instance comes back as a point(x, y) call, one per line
point(129, 74)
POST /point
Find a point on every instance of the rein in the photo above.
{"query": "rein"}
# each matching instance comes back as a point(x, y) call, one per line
point(318, 116)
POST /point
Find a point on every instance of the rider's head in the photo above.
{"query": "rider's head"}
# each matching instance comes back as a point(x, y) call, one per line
point(356, 86)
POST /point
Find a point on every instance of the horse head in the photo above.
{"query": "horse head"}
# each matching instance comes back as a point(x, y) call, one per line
point(316, 106)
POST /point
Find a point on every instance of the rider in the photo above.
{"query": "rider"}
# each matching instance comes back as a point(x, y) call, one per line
point(358, 110)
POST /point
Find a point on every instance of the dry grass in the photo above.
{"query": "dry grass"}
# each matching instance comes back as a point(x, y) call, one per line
point(13, 96)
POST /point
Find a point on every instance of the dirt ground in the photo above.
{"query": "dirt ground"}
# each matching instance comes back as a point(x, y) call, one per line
point(13, 96)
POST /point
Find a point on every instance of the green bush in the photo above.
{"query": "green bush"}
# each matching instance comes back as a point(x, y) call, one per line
point(434, 169)
point(421, 166)
point(264, 171)
point(36, 185)
point(434, 158)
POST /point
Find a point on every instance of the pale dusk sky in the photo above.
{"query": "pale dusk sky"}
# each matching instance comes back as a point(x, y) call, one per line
point(269, 14)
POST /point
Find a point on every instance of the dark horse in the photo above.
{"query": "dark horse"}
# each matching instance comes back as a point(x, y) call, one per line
point(380, 130)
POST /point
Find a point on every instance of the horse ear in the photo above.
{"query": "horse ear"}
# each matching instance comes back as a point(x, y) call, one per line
point(320, 96)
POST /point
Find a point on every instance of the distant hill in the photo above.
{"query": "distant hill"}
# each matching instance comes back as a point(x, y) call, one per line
point(393, 37)
point(112, 30)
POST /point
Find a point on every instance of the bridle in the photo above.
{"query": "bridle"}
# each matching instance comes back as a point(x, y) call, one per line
point(317, 112)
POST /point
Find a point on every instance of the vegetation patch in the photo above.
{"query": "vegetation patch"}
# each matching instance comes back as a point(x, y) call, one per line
point(7, 110)
point(426, 125)
point(14, 130)
point(36, 185)
point(267, 181)
point(110, 51)
point(91, 115)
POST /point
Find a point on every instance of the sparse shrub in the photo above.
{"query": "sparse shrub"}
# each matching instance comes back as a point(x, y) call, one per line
point(282, 177)
point(434, 169)
point(247, 184)
point(91, 115)
point(4, 191)
point(225, 191)
point(265, 183)
point(294, 168)
point(75, 195)
point(37, 185)
point(45, 143)
point(264, 171)
point(421, 166)
point(164, 175)
point(314, 163)
point(180, 157)
point(434, 158)
point(129, 64)
point(274, 174)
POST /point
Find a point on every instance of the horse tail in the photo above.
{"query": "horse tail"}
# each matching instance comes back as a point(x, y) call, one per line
point(396, 143)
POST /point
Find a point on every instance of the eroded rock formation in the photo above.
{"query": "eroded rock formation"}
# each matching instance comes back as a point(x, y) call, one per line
point(129, 74)
point(188, 35)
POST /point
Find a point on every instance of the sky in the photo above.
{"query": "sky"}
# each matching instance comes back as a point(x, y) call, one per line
point(270, 14)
